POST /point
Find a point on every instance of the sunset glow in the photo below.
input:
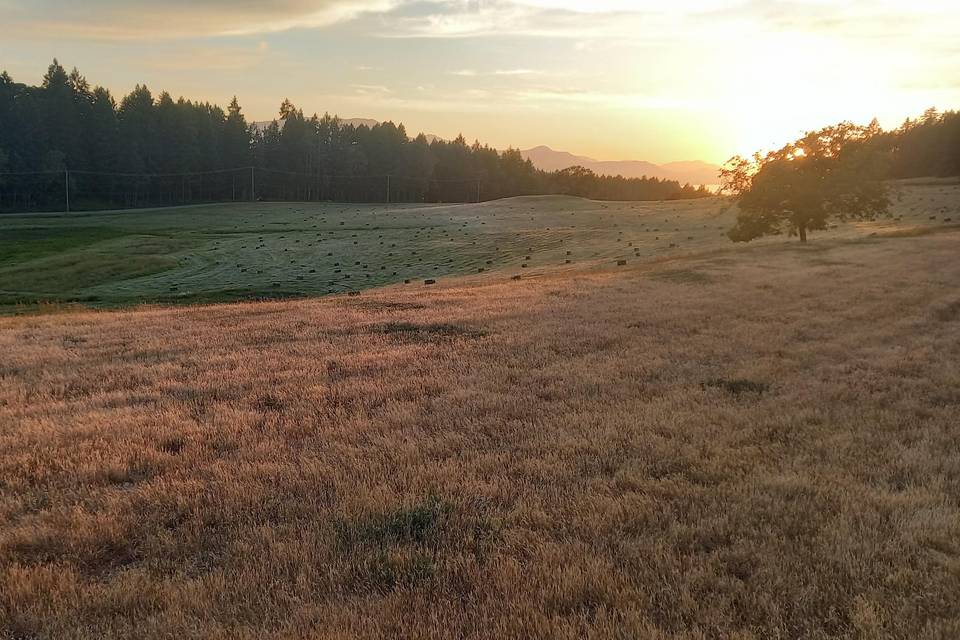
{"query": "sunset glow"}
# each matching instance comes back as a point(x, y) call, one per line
point(612, 79)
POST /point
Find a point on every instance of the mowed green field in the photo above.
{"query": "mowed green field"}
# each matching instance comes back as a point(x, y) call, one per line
point(274, 250)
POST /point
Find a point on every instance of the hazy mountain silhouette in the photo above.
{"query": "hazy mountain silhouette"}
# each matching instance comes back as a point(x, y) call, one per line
point(693, 171)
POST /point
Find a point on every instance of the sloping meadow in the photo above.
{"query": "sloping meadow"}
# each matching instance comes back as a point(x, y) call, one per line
point(755, 444)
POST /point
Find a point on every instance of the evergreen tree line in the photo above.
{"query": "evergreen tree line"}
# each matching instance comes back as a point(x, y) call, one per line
point(154, 150)
point(927, 146)
point(839, 172)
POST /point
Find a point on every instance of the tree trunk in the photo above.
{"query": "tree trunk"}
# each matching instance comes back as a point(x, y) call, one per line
point(803, 233)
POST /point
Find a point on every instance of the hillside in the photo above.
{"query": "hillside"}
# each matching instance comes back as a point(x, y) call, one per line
point(742, 443)
point(275, 250)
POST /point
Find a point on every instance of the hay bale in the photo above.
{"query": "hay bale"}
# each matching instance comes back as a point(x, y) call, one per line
point(621, 263)
point(429, 281)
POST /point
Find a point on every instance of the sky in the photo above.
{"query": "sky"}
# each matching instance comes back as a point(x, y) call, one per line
point(611, 79)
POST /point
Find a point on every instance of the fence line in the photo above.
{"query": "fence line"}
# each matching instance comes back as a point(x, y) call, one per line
point(236, 170)
point(23, 191)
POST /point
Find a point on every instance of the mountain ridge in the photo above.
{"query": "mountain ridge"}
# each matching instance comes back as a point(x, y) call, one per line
point(695, 172)
point(685, 171)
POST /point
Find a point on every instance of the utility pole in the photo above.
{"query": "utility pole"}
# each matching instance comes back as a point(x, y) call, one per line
point(66, 182)
point(253, 185)
point(388, 188)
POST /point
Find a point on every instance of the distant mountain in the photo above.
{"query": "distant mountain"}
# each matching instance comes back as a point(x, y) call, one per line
point(543, 157)
point(694, 172)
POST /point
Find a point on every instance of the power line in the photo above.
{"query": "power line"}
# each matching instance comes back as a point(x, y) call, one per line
point(186, 174)
point(85, 188)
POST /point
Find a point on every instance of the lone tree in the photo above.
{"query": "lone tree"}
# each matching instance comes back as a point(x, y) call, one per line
point(837, 172)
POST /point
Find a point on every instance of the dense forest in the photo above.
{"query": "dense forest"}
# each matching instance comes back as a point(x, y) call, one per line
point(68, 139)
point(928, 146)
point(68, 143)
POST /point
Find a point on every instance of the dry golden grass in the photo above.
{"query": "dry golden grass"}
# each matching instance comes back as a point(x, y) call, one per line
point(760, 443)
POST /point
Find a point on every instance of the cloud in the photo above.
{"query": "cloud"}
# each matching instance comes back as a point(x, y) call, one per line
point(134, 19)
point(472, 73)
point(517, 72)
point(208, 58)
point(523, 99)
point(638, 21)
point(371, 90)
point(654, 21)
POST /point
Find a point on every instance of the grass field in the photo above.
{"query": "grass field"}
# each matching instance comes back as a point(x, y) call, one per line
point(715, 442)
point(254, 251)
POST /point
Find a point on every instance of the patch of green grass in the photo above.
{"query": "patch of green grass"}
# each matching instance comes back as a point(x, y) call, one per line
point(73, 274)
point(417, 524)
point(429, 332)
point(396, 549)
point(739, 386)
point(253, 251)
point(383, 572)
point(23, 244)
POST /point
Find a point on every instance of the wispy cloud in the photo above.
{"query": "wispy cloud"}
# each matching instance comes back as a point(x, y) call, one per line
point(750, 69)
point(135, 19)
point(472, 73)
point(635, 20)
point(377, 90)
point(209, 58)
point(536, 98)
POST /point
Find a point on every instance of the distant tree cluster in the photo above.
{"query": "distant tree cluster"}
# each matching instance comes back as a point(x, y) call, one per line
point(839, 172)
point(66, 124)
point(928, 146)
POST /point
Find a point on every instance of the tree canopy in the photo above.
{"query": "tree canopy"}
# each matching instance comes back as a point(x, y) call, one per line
point(65, 123)
point(838, 171)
